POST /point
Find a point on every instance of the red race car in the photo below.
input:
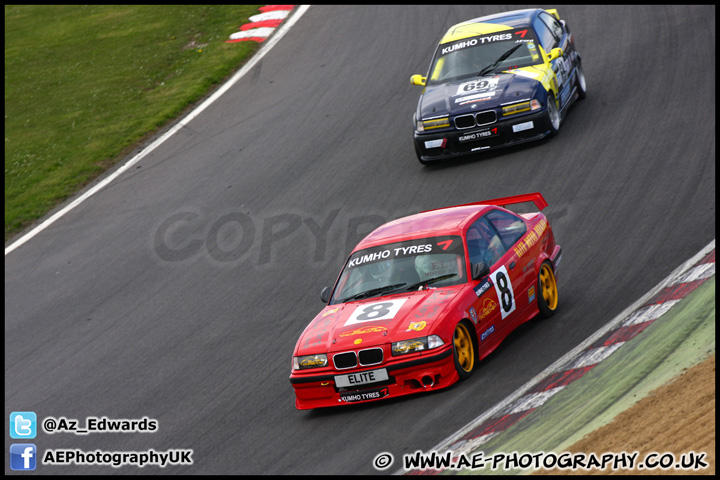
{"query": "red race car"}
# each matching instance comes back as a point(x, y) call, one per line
point(422, 299)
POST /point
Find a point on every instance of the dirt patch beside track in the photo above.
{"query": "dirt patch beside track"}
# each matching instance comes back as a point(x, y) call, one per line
point(678, 417)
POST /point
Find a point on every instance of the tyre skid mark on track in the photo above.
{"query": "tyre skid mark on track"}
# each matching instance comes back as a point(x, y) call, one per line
point(485, 427)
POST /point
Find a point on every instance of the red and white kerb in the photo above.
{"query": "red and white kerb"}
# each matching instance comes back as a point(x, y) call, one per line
point(262, 25)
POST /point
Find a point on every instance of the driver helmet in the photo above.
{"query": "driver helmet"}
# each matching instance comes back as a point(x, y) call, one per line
point(378, 269)
point(423, 266)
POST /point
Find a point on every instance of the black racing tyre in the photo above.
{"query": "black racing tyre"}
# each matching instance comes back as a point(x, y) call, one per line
point(464, 352)
point(553, 115)
point(580, 82)
point(547, 293)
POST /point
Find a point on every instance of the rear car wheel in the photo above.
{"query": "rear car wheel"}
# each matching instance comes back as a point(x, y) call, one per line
point(463, 351)
point(553, 115)
point(547, 297)
point(580, 82)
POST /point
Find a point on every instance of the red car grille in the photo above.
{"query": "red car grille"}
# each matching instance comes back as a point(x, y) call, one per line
point(369, 356)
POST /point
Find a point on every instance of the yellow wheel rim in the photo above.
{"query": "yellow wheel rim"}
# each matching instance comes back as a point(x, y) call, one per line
point(464, 348)
point(549, 287)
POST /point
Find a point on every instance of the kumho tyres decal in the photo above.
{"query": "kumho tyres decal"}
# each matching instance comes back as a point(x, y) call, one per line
point(664, 340)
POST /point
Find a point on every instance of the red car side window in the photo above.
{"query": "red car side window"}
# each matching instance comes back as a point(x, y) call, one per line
point(510, 227)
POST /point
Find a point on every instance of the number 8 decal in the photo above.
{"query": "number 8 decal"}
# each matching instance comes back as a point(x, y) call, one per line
point(368, 312)
point(376, 310)
point(503, 287)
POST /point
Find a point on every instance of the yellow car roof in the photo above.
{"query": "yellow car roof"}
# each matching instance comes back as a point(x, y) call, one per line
point(490, 24)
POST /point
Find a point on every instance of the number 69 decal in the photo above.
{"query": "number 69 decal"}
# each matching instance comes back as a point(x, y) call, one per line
point(504, 290)
point(369, 312)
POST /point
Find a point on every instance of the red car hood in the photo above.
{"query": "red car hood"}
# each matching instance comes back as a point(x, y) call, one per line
point(343, 326)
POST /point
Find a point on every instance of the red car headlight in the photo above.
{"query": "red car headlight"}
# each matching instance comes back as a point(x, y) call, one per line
point(310, 361)
point(416, 345)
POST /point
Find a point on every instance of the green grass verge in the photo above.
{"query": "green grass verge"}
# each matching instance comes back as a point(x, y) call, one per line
point(680, 339)
point(83, 84)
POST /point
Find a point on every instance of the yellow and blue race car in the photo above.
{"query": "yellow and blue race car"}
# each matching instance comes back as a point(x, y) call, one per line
point(496, 81)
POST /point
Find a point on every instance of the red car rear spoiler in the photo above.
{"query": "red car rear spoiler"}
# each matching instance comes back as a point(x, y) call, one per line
point(536, 198)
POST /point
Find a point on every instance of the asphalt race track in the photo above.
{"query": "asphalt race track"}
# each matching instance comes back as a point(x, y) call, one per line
point(178, 292)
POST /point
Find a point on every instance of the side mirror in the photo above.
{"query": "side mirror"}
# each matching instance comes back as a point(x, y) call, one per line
point(554, 53)
point(325, 295)
point(479, 270)
point(418, 80)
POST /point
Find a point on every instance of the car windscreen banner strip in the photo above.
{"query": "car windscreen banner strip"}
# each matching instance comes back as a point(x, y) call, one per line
point(411, 248)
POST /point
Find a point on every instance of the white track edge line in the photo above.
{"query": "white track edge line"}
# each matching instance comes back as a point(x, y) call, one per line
point(568, 357)
point(278, 34)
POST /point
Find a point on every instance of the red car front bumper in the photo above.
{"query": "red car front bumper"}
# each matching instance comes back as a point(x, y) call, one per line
point(431, 370)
